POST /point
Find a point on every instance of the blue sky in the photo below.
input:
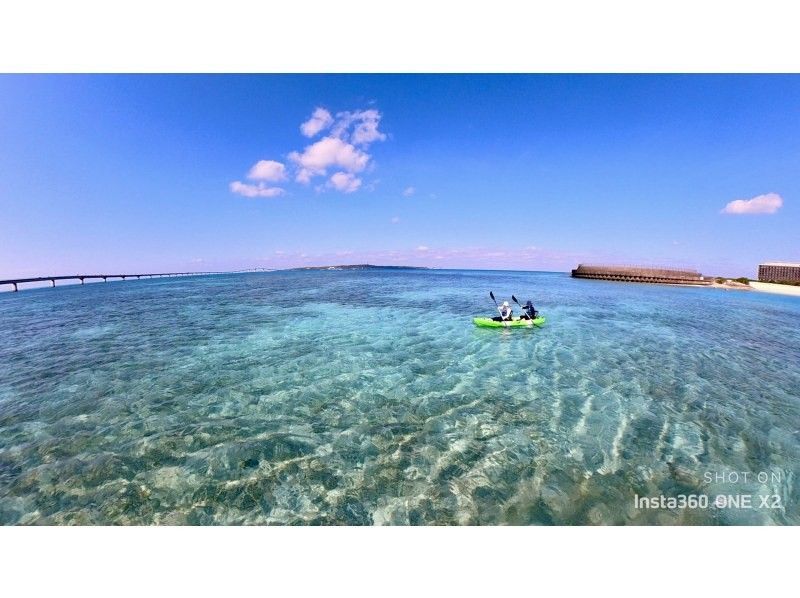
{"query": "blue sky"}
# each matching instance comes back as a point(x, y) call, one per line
point(150, 173)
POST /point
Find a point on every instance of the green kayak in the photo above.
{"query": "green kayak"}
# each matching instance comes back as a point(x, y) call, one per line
point(516, 322)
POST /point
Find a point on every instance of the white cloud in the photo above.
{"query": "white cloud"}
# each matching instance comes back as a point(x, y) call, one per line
point(760, 204)
point(395, 219)
point(409, 191)
point(259, 190)
point(267, 170)
point(320, 120)
point(328, 151)
point(342, 149)
point(345, 182)
point(365, 129)
point(423, 248)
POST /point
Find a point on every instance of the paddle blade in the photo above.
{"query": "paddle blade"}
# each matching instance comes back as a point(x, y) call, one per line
point(515, 299)
point(492, 296)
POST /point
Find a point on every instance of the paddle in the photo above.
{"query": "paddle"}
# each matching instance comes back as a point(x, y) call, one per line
point(514, 299)
point(491, 294)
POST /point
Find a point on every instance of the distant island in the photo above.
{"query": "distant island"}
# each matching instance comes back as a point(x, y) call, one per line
point(361, 267)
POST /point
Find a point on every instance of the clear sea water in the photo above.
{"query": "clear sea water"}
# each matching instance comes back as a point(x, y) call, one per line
point(368, 397)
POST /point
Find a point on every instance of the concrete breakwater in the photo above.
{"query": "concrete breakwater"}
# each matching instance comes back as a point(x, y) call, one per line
point(639, 274)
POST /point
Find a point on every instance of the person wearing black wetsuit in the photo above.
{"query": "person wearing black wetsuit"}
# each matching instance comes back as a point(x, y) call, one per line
point(529, 311)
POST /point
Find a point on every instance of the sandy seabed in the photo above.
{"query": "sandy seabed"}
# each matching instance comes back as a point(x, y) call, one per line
point(334, 398)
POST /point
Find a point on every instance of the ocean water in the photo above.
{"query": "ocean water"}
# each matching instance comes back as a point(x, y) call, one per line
point(368, 397)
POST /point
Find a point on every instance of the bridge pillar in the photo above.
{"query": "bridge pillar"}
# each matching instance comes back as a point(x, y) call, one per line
point(105, 279)
point(15, 287)
point(81, 280)
point(52, 282)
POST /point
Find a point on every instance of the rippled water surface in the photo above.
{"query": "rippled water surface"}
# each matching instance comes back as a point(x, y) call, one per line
point(368, 397)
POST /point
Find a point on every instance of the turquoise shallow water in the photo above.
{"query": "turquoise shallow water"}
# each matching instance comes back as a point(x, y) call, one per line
point(368, 397)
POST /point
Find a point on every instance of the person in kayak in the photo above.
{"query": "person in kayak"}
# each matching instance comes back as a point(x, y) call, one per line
point(529, 311)
point(506, 311)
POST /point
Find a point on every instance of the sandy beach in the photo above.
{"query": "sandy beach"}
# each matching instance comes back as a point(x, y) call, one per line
point(730, 285)
point(779, 289)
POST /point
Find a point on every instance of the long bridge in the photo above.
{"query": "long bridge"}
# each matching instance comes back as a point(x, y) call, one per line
point(83, 277)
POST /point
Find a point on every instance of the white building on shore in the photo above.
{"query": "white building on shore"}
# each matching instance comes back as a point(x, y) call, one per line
point(779, 272)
